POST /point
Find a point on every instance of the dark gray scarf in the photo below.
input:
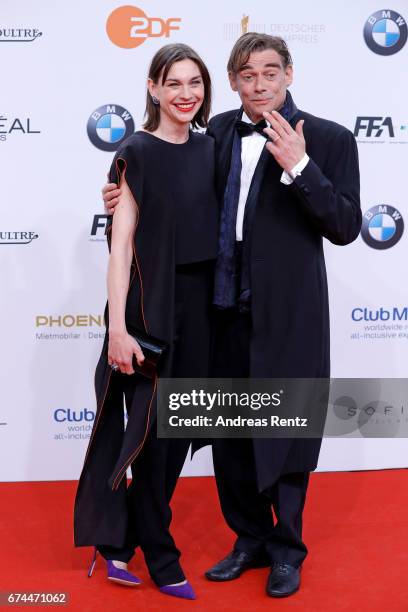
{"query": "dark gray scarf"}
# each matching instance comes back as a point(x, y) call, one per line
point(232, 273)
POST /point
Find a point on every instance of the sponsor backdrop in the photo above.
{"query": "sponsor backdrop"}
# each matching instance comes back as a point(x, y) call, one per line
point(73, 88)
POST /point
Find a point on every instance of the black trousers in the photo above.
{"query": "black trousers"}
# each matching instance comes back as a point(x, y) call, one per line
point(275, 535)
point(156, 470)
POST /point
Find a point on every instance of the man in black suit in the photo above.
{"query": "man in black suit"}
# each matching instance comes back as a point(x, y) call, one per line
point(283, 186)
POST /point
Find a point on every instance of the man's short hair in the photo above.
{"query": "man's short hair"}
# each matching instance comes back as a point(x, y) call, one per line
point(253, 41)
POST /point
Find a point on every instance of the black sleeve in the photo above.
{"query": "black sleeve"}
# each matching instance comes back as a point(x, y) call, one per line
point(128, 161)
point(331, 197)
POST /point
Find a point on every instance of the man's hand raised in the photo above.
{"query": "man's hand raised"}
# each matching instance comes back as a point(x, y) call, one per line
point(287, 145)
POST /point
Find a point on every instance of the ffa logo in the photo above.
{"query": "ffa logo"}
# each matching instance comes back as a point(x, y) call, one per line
point(382, 227)
point(385, 32)
point(109, 125)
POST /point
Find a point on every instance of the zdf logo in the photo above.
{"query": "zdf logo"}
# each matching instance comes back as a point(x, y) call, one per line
point(129, 26)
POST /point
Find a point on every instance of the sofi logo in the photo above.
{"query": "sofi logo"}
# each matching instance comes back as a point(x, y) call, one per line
point(63, 415)
point(129, 26)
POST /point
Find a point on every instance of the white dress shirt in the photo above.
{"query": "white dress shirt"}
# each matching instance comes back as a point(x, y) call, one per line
point(251, 149)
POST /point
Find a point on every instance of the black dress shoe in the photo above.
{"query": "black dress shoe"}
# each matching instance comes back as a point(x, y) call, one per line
point(234, 564)
point(284, 580)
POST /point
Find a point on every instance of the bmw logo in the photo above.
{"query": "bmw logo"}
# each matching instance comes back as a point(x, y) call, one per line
point(382, 226)
point(385, 32)
point(109, 125)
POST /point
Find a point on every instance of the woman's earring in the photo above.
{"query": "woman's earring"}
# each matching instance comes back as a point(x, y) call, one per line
point(155, 100)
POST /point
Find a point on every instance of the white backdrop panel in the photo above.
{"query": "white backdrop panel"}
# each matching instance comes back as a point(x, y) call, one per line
point(53, 289)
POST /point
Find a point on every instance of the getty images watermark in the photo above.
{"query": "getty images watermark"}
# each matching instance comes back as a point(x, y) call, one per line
point(284, 408)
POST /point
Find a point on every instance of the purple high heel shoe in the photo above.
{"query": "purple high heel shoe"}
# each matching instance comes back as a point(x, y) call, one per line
point(116, 574)
point(185, 591)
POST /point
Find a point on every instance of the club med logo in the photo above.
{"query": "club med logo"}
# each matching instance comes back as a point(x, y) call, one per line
point(385, 32)
point(15, 125)
point(19, 34)
point(108, 126)
point(380, 314)
point(129, 26)
point(17, 237)
point(62, 415)
point(382, 227)
point(73, 424)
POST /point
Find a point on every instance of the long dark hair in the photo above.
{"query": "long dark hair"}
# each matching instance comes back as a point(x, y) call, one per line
point(159, 68)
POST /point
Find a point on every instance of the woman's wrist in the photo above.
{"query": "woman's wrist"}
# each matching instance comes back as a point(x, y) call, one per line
point(117, 331)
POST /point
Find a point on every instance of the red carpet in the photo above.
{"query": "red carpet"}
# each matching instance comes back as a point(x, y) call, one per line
point(356, 527)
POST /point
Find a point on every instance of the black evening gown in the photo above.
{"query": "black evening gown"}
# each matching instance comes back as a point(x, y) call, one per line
point(170, 292)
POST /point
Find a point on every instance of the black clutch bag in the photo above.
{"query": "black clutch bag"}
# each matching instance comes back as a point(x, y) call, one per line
point(153, 350)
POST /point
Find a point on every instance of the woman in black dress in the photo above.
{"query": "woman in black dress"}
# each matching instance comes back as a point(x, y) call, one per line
point(163, 243)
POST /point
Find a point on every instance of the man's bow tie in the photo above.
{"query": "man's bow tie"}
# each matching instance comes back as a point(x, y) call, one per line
point(247, 129)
